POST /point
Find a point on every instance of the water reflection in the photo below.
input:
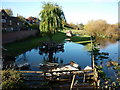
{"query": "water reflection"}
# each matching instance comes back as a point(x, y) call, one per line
point(50, 49)
point(104, 42)
point(22, 62)
point(103, 63)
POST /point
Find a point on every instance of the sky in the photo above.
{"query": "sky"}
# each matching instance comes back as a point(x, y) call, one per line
point(76, 11)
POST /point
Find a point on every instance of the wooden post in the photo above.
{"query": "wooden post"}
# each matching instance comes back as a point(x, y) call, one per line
point(44, 75)
point(72, 82)
point(84, 78)
point(93, 64)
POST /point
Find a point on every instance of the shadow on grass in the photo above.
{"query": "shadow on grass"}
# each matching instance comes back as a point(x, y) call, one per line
point(81, 39)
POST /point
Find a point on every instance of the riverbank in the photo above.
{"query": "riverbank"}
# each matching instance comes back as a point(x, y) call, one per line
point(22, 46)
point(79, 36)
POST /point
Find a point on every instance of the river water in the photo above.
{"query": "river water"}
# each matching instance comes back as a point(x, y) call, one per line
point(71, 52)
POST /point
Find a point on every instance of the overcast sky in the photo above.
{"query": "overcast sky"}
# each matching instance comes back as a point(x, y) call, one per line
point(76, 11)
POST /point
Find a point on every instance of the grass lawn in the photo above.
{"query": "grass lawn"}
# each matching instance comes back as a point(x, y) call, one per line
point(22, 46)
point(59, 37)
point(81, 39)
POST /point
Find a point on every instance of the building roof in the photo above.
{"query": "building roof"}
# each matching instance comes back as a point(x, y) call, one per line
point(3, 11)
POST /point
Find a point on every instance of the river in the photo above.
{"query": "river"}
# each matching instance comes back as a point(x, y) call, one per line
point(71, 52)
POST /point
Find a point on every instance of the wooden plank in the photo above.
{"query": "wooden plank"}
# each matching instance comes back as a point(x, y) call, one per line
point(88, 74)
point(30, 71)
point(25, 71)
point(72, 72)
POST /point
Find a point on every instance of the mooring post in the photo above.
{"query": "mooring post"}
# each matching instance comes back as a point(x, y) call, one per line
point(72, 82)
point(83, 77)
point(44, 75)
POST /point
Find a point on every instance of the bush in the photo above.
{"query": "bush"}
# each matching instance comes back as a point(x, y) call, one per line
point(11, 79)
point(101, 74)
point(35, 26)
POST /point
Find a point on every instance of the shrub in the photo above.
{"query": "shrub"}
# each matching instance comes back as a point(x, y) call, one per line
point(11, 79)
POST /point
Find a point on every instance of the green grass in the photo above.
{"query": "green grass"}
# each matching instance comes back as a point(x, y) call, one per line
point(84, 38)
point(81, 39)
point(83, 42)
point(59, 37)
point(22, 46)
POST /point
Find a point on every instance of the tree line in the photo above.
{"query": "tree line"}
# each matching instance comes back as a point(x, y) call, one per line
point(100, 28)
point(53, 19)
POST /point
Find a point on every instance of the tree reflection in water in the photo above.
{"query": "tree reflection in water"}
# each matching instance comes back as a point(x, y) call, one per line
point(50, 49)
point(104, 42)
point(104, 63)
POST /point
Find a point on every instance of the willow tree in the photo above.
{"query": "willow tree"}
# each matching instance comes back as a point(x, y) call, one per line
point(52, 18)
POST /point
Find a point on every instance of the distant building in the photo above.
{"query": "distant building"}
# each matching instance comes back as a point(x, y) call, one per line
point(33, 20)
point(10, 23)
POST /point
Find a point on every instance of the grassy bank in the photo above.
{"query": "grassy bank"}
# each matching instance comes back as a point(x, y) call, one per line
point(59, 37)
point(83, 37)
point(22, 46)
point(81, 32)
